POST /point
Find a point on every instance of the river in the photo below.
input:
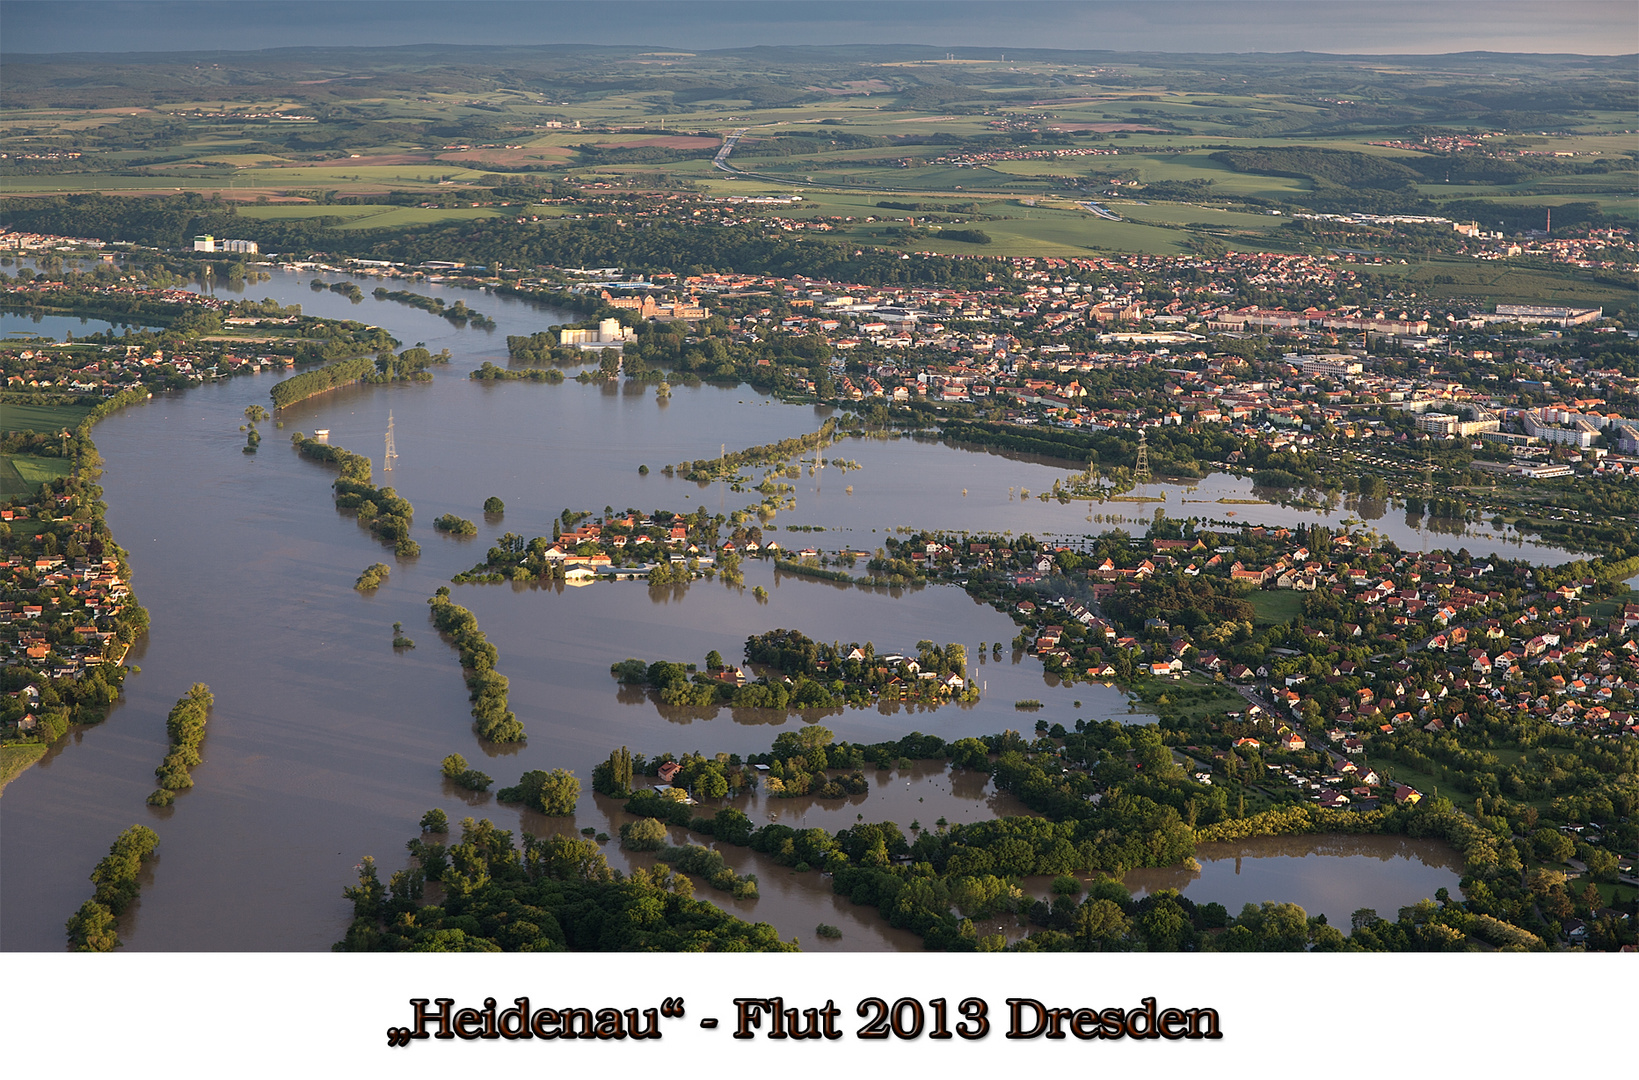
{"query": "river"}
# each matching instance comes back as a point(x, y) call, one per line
point(324, 742)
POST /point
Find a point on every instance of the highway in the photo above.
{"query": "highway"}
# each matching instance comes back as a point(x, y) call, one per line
point(1094, 208)
point(721, 160)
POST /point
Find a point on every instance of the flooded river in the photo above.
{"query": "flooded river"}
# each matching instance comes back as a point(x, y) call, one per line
point(324, 742)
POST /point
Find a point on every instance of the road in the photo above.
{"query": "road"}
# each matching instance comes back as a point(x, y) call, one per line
point(721, 160)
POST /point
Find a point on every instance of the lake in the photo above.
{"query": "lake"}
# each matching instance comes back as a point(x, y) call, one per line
point(58, 327)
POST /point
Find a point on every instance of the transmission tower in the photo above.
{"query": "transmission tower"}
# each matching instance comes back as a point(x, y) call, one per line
point(392, 452)
point(1141, 469)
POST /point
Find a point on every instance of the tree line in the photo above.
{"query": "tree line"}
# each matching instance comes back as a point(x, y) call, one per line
point(552, 894)
point(93, 928)
point(185, 727)
point(486, 687)
point(381, 510)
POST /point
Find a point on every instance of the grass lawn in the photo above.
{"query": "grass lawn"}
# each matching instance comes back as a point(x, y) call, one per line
point(17, 757)
point(1195, 697)
point(1613, 893)
point(1397, 773)
point(30, 472)
point(15, 416)
point(1610, 606)
point(1276, 606)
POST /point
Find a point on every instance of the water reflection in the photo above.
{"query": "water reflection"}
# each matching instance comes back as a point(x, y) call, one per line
point(1331, 874)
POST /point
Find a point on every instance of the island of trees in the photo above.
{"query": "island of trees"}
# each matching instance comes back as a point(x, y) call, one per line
point(408, 366)
point(486, 686)
point(93, 927)
point(185, 727)
point(805, 674)
point(380, 510)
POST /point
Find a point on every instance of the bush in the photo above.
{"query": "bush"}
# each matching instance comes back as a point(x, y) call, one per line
point(494, 505)
point(826, 930)
point(554, 792)
point(435, 821)
point(458, 526)
point(644, 834)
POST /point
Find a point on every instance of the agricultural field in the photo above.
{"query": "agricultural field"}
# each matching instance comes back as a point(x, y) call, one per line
point(22, 474)
point(19, 416)
point(370, 215)
point(1187, 155)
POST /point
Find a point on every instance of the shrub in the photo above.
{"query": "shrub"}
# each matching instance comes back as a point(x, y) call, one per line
point(644, 834)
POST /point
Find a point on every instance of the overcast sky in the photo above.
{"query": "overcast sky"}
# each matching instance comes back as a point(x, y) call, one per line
point(1338, 26)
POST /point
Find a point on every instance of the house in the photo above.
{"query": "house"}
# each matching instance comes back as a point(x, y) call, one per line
point(669, 771)
point(1405, 795)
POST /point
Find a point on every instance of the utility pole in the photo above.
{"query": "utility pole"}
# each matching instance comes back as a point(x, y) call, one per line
point(392, 452)
point(1141, 468)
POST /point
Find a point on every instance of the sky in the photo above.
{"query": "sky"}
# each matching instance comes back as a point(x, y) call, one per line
point(1603, 27)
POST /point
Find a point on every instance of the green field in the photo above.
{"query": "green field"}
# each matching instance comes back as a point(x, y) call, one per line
point(846, 128)
point(371, 216)
point(22, 474)
point(15, 416)
point(1451, 278)
point(1276, 605)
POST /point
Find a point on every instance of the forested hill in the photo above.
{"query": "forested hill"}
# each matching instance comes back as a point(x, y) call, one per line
point(682, 248)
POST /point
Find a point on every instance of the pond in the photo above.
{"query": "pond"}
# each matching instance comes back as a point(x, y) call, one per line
point(1329, 874)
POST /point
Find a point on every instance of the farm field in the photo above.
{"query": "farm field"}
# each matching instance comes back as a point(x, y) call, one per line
point(371, 215)
point(19, 416)
point(1189, 153)
point(22, 474)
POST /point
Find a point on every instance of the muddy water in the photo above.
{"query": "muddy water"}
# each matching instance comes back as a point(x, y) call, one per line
point(1334, 875)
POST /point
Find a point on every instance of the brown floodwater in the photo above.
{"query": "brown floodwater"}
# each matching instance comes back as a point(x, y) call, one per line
point(1331, 874)
point(324, 743)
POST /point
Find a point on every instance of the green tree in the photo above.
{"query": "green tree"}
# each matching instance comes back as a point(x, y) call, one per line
point(92, 929)
point(1099, 925)
point(614, 776)
point(1552, 845)
point(559, 793)
point(644, 834)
